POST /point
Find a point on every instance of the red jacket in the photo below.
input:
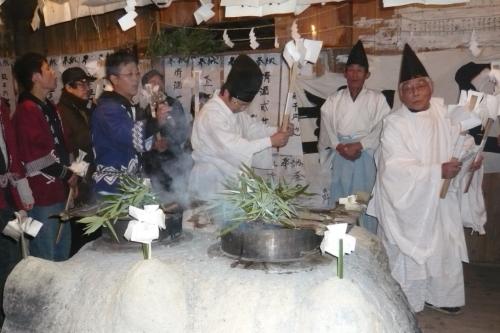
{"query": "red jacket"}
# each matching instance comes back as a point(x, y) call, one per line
point(36, 141)
point(13, 163)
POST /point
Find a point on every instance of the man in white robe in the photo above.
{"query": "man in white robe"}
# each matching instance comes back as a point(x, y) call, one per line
point(224, 137)
point(351, 120)
point(423, 233)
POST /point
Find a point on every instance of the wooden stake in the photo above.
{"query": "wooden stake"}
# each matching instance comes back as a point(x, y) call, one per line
point(66, 208)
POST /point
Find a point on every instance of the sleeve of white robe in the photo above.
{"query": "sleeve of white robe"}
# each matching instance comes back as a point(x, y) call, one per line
point(254, 129)
point(229, 145)
point(382, 109)
point(407, 192)
point(327, 134)
point(328, 140)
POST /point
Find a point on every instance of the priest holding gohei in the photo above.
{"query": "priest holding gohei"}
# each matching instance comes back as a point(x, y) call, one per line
point(421, 227)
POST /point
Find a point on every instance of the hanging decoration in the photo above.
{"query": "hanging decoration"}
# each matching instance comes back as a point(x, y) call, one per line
point(205, 12)
point(35, 21)
point(295, 31)
point(276, 43)
point(227, 40)
point(127, 21)
point(253, 40)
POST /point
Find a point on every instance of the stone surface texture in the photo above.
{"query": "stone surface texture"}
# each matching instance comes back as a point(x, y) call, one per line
point(189, 286)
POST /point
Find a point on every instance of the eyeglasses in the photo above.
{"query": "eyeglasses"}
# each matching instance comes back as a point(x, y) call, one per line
point(414, 85)
point(130, 75)
point(242, 105)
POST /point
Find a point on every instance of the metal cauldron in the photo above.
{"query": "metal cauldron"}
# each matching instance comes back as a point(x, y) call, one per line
point(262, 242)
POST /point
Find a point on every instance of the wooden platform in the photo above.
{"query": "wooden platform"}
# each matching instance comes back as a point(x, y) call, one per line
point(482, 310)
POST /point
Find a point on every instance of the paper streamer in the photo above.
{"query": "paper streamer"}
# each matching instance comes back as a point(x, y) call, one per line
point(253, 40)
point(295, 31)
point(227, 40)
point(204, 13)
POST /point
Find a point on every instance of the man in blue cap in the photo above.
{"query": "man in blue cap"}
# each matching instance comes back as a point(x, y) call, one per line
point(351, 120)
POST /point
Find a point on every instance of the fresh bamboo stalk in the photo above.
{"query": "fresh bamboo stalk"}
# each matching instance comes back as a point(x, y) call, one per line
point(24, 247)
point(146, 251)
point(340, 260)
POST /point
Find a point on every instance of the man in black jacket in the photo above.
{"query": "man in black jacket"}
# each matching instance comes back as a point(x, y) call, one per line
point(75, 108)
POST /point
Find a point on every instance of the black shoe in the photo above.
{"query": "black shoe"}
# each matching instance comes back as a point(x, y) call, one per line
point(447, 310)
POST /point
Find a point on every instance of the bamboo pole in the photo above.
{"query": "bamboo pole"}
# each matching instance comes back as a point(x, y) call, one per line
point(487, 128)
point(340, 260)
point(291, 90)
point(446, 184)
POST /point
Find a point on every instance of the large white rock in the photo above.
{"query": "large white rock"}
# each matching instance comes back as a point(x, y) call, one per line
point(191, 287)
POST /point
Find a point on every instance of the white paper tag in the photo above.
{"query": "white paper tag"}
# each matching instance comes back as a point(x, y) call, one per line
point(151, 214)
point(127, 21)
point(141, 232)
point(313, 48)
point(330, 243)
point(22, 224)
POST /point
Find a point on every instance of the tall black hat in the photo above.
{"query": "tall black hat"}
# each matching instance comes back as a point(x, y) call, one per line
point(411, 67)
point(244, 79)
point(358, 56)
point(467, 73)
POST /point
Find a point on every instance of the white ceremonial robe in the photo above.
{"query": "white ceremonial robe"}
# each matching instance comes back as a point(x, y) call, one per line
point(423, 234)
point(343, 121)
point(222, 141)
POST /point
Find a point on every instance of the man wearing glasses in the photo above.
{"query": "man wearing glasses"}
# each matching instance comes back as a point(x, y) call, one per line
point(422, 233)
point(117, 135)
point(224, 137)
